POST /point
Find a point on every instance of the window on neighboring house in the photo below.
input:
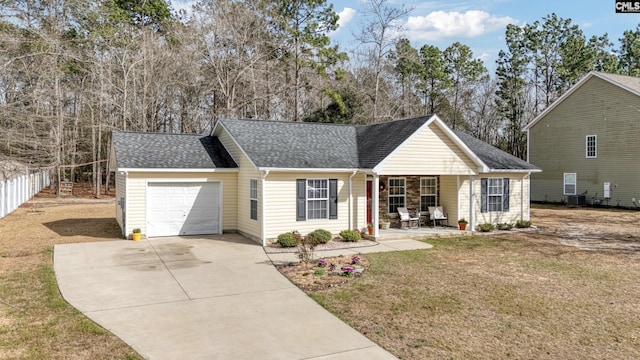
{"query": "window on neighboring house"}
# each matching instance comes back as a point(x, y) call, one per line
point(253, 199)
point(592, 146)
point(494, 195)
point(396, 194)
point(316, 199)
point(428, 192)
point(570, 183)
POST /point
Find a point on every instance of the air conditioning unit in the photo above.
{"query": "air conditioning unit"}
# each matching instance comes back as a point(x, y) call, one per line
point(576, 200)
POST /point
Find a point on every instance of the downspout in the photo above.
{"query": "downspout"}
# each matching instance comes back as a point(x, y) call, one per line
point(263, 222)
point(522, 209)
point(458, 197)
point(124, 206)
point(375, 206)
point(351, 199)
point(472, 202)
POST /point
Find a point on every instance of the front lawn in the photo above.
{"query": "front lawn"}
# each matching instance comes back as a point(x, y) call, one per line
point(507, 296)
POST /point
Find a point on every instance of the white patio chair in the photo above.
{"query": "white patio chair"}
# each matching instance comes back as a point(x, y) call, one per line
point(436, 213)
point(407, 221)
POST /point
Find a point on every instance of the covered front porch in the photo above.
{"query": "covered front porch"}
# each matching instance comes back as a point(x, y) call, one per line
point(417, 193)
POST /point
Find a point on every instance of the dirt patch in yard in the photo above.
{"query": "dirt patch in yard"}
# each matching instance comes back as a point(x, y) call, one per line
point(587, 228)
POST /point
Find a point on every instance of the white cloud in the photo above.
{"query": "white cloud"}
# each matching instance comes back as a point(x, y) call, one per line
point(346, 15)
point(484, 57)
point(440, 24)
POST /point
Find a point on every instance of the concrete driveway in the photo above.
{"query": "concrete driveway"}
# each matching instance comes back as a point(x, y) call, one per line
point(211, 297)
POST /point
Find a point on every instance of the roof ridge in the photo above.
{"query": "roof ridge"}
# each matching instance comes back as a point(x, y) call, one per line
point(291, 122)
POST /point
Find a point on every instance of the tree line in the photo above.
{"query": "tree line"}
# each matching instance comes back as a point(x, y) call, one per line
point(73, 71)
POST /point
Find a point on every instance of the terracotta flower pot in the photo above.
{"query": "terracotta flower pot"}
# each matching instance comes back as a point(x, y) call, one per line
point(462, 226)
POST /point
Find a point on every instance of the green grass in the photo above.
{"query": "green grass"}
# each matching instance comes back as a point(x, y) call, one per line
point(495, 297)
point(40, 324)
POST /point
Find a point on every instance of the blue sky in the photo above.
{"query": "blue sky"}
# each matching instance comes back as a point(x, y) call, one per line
point(481, 24)
point(478, 24)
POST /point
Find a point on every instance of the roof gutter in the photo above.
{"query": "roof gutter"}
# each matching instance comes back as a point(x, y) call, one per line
point(524, 171)
point(314, 170)
point(168, 170)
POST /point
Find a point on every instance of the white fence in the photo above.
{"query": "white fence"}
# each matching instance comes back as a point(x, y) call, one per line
point(17, 191)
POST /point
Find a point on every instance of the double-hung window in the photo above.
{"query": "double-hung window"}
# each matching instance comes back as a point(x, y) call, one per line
point(397, 193)
point(592, 146)
point(253, 199)
point(428, 192)
point(316, 199)
point(494, 195)
point(570, 180)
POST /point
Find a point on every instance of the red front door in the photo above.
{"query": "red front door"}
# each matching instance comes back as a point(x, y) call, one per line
point(369, 196)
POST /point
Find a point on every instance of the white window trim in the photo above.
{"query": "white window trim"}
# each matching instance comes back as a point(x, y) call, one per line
point(489, 195)
point(564, 183)
point(595, 150)
point(307, 199)
point(251, 199)
point(434, 194)
point(389, 196)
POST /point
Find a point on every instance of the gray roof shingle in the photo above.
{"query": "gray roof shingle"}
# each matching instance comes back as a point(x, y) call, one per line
point(493, 157)
point(283, 144)
point(135, 150)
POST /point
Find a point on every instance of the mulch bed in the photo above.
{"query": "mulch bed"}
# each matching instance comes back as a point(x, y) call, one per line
point(311, 277)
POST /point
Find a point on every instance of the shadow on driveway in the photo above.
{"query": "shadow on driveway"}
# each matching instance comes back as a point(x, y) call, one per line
point(101, 228)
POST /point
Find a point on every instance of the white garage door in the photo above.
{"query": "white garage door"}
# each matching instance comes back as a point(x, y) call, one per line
point(183, 209)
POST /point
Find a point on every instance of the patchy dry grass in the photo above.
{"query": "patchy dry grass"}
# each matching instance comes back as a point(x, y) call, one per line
point(35, 322)
point(510, 296)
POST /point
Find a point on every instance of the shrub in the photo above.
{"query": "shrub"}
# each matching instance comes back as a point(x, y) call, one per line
point(350, 235)
point(287, 240)
point(321, 236)
point(486, 227)
point(504, 226)
point(306, 247)
point(523, 224)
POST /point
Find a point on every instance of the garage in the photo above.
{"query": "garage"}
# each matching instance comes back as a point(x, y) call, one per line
point(183, 208)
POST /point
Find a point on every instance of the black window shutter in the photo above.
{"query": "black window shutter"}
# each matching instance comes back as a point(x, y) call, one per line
point(505, 194)
point(333, 198)
point(301, 199)
point(484, 183)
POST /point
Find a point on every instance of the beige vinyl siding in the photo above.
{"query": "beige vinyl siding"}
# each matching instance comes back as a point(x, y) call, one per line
point(137, 195)
point(557, 144)
point(429, 151)
point(247, 226)
point(121, 183)
point(464, 198)
point(280, 190)
point(516, 195)
point(449, 197)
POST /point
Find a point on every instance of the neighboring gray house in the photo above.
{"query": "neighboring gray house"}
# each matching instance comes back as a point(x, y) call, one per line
point(587, 144)
point(264, 178)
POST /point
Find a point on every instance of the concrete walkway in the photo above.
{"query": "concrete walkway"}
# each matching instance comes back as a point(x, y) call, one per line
point(210, 297)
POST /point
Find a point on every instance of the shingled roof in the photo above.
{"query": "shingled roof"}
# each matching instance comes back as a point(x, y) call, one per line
point(284, 144)
point(491, 156)
point(136, 150)
point(290, 145)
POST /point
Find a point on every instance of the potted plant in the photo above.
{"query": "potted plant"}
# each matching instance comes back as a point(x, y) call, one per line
point(136, 234)
point(370, 228)
point(462, 224)
point(385, 223)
